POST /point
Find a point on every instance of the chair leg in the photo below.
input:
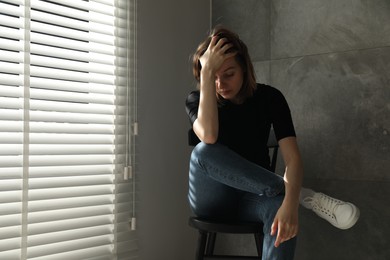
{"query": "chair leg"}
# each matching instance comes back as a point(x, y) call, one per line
point(202, 239)
point(259, 244)
point(211, 243)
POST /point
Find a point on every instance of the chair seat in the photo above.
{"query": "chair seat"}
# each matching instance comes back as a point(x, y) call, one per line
point(226, 227)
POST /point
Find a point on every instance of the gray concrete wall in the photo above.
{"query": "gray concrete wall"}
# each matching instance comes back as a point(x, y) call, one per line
point(331, 59)
point(168, 32)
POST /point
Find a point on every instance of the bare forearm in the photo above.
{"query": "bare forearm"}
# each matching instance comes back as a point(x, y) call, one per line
point(206, 125)
point(293, 181)
point(294, 170)
point(286, 222)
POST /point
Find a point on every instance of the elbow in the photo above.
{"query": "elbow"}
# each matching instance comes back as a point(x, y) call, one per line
point(207, 135)
point(209, 139)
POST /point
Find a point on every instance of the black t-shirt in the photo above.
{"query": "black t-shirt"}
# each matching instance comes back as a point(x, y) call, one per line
point(245, 127)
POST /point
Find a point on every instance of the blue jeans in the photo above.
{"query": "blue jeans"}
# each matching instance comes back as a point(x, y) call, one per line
point(225, 186)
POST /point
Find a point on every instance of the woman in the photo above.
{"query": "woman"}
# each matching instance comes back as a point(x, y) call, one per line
point(229, 169)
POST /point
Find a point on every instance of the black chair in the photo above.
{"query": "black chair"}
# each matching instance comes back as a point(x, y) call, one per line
point(208, 229)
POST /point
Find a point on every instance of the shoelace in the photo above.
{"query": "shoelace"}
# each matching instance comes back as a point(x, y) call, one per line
point(323, 203)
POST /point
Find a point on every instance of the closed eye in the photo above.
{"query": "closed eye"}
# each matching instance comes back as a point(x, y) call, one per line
point(228, 75)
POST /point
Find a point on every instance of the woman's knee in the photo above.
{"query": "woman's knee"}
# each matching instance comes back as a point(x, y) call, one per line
point(202, 147)
point(202, 150)
point(208, 149)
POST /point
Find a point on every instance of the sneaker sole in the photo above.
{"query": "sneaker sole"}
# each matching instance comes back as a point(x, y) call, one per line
point(354, 219)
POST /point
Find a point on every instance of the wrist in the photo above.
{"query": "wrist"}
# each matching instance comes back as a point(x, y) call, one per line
point(291, 198)
point(206, 72)
point(207, 80)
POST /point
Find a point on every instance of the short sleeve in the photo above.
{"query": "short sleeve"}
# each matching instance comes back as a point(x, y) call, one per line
point(280, 115)
point(192, 105)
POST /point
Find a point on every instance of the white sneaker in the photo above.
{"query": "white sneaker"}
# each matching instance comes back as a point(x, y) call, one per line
point(340, 214)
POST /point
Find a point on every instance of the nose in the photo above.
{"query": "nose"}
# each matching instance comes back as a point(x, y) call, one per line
point(218, 83)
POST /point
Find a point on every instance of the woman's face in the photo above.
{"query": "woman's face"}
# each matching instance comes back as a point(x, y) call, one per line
point(229, 79)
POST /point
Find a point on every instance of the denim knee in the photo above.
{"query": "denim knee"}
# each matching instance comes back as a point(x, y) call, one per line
point(196, 154)
point(202, 150)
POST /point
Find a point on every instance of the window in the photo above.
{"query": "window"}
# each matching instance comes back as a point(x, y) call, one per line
point(67, 89)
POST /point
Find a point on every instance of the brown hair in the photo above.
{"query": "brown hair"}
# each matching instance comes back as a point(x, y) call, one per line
point(242, 58)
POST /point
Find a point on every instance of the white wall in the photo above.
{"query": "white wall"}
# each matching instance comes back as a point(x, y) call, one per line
point(169, 31)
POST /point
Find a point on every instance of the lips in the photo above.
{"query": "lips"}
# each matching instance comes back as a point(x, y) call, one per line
point(224, 92)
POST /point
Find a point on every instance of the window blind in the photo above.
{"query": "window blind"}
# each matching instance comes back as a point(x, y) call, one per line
point(67, 91)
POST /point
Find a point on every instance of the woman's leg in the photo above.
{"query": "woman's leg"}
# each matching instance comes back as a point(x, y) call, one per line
point(253, 207)
point(227, 167)
point(211, 199)
point(223, 185)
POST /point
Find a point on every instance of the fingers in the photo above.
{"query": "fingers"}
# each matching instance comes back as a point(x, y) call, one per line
point(221, 45)
point(213, 41)
point(274, 227)
point(285, 232)
point(216, 54)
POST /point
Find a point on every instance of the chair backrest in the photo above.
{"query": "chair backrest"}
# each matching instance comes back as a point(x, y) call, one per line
point(272, 143)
